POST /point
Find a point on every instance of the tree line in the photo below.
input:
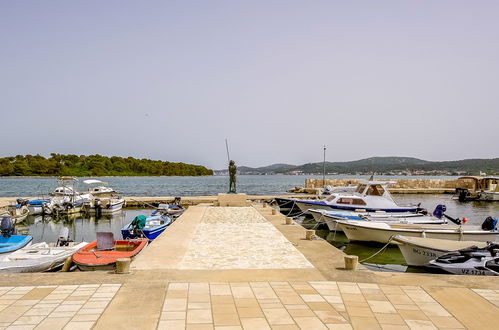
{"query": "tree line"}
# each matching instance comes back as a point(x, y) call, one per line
point(94, 165)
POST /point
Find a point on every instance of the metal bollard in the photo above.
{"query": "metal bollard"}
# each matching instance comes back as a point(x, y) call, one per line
point(274, 211)
point(309, 234)
point(351, 262)
point(122, 265)
point(289, 220)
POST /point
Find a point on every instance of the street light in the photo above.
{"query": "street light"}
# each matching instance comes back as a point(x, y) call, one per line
point(324, 169)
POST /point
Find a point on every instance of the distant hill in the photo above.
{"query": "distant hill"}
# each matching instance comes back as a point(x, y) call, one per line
point(382, 165)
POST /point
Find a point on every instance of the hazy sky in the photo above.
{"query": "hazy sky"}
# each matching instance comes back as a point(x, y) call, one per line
point(171, 80)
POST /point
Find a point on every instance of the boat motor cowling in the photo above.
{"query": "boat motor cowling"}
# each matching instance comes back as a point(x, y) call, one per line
point(489, 223)
point(439, 211)
point(8, 227)
point(63, 239)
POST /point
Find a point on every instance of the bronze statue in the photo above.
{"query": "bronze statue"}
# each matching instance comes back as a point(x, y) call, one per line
point(232, 177)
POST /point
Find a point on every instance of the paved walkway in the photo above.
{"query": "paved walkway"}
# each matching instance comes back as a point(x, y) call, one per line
point(171, 287)
point(54, 307)
point(308, 305)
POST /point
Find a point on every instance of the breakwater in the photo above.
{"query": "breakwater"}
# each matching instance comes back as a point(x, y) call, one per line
point(400, 186)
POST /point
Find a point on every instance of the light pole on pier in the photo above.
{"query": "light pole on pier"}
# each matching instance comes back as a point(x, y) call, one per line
point(324, 169)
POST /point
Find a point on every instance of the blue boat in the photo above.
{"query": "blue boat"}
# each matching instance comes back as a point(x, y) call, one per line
point(13, 243)
point(142, 226)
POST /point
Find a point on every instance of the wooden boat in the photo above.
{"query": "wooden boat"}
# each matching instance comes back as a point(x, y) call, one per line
point(382, 232)
point(102, 253)
point(149, 227)
point(418, 251)
point(39, 257)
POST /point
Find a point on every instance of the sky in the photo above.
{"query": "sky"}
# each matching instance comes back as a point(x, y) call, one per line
point(171, 80)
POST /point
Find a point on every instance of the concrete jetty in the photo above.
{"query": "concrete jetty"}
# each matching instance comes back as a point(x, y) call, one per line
point(241, 267)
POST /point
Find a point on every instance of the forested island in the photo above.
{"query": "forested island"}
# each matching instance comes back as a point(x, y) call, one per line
point(94, 165)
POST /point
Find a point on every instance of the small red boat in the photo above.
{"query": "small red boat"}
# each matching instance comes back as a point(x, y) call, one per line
point(102, 253)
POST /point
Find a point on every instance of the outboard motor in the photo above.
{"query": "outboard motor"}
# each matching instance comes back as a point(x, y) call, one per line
point(327, 190)
point(176, 201)
point(462, 194)
point(439, 211)
point(22, 202)
point(63, 239)
point(489, 223)
point(97, 207)
point(8, 227)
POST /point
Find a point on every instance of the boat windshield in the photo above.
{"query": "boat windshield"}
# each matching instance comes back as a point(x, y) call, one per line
point(360, 189)
point(375, 190)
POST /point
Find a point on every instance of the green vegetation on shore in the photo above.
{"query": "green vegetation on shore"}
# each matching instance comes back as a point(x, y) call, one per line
point(94, 165)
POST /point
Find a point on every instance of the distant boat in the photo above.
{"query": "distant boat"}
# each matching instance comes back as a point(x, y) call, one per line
point(16, 212)
point(102, 253)
point(477, 188)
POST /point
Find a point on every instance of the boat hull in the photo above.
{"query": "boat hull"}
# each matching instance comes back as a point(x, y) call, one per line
point(306, 205)
point(151, 232)
point(34, 259)
point(13, 243)
point(88, 258)
point(420, 251)
point(358, 232)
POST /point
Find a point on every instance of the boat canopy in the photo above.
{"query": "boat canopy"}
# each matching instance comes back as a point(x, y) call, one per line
point(92, 181)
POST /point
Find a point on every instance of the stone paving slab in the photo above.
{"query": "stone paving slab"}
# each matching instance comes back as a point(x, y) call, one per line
point(303, 305)
point(54, 307)
point(240, 238)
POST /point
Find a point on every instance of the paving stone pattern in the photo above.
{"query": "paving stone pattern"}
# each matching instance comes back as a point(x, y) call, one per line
point(54, 307)
point(240, 238)
point(491, 295)
point(301, 305)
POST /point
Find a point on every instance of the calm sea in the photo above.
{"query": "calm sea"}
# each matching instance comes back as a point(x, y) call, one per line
point(171, 185)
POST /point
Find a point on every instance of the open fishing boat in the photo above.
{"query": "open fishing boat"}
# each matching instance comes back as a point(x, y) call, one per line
point(104, 205)
point(14, 242)
point(102, 253)
point(331, 217)
point(39, 257)
point(369, 196)
point(418, 251)
point(17, 212)
point(370, 231)
point(149, 227)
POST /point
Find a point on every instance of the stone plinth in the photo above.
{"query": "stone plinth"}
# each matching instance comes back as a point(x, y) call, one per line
point(233, 200)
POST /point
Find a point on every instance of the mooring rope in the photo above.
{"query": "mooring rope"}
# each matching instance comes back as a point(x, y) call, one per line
point(384, 247)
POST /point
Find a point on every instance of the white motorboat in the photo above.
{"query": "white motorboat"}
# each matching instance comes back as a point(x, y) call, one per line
point(17, 212)
point(38, 257)
point(331, 217)
point(66, 199)
point(102, 189)
point(103, 205)
point(370, 231)
point(471, 261)
point(418, 251)
point(369, 196)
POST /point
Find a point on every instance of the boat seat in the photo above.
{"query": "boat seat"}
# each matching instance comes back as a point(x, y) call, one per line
point(105, 241)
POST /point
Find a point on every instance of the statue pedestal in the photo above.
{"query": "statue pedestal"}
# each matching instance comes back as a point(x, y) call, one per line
point(233, 200)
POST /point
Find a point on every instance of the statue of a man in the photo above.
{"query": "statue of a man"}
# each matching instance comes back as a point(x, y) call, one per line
point(232, 177)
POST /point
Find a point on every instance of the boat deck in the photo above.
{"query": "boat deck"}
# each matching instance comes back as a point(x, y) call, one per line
point(243, 268)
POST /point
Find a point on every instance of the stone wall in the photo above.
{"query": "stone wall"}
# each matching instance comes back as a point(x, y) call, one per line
point(400, 183)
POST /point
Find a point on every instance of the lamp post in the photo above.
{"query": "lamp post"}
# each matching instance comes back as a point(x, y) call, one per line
point(324, 169)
